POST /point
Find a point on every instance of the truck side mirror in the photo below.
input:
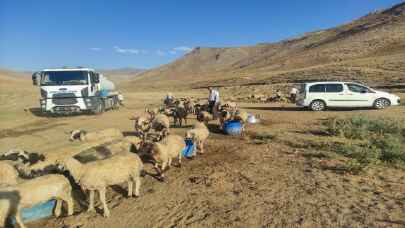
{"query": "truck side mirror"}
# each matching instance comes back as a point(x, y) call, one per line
point(35, 78)
point(96, 78)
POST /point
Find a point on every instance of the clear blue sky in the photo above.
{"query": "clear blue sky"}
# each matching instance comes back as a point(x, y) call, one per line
point(35, 34)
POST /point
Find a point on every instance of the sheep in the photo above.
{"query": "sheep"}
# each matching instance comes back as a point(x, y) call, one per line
point(161, 124)
point(136, 142)
point(76, 134)
point(199, 107)
point(83, 135)
point(22, 157)
point(230, 106)
point(205, 117)
point(142, 126)
point(241, 116)
point(97, 175)
point(29, 193)
point(199, 135)
point(180, 114)
point(224, 115)
point(8, 174)
point(189, 106)
point(164, 152)
point(152, 112)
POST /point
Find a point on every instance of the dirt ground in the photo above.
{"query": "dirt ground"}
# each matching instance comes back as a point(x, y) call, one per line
point(237, 183)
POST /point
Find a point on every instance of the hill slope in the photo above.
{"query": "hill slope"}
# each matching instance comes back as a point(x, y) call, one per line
point(371, 49)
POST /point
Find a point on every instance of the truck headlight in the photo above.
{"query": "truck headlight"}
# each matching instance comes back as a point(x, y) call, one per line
point(44, 94)
point(43, 102)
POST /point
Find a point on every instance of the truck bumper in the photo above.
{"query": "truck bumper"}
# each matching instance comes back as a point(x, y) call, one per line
point(80, 105)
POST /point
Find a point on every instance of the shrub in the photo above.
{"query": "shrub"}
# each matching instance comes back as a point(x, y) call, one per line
point(363, 154)
point(390, 147)
point(382, 140)
point(361, 127)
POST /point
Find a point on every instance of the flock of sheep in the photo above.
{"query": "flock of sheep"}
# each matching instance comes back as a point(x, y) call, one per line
point(152, 141)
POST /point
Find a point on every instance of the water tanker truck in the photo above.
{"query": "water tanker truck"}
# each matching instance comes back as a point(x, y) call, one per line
point(75, 90)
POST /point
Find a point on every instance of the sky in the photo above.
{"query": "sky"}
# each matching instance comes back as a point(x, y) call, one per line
point(37, 34)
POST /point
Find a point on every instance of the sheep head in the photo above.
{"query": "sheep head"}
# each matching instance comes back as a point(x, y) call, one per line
point(73, 166)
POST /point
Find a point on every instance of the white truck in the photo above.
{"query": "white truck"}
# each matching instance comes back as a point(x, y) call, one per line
point(75, 90)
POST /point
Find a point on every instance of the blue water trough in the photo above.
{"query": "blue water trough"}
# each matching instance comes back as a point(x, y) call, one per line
point(233, 127)
point(188, 151)
point(39, 211)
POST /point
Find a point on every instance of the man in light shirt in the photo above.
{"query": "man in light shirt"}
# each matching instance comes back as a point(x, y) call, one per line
point(169, 99)
point(213, 100)
point(293, 94)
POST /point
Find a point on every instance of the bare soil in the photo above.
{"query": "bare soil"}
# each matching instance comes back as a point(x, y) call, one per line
point(282, 182)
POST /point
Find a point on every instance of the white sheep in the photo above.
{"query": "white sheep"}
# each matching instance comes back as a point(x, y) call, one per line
point(161, 124)
point(198, 135)
point(8, 174)
point(142, 126)
point(164, 152)
point(29, 193)
point(230, 106)
point(82, 135)
point(152, 112)
point(135, 141)
point(189, 106)
point(97, 175)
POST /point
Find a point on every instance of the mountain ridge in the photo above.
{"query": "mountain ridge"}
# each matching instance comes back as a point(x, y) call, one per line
point(365, 50)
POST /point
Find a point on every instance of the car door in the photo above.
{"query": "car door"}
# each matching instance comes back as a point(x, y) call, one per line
point(316, 92)
point(358, 95)
point(334, 95)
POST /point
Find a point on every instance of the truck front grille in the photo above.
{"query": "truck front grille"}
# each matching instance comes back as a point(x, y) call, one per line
point(64, 99)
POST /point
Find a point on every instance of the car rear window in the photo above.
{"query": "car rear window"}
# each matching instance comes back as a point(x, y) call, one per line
point(318, 88)
point(334, 88)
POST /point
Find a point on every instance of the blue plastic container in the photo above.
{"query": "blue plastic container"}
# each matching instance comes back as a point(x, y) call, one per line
point(104, 93)
point(39, 211)
point(189, 150)
point(233, 127)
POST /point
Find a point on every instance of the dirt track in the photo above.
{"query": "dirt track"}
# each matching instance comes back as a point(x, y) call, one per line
point(236, 183)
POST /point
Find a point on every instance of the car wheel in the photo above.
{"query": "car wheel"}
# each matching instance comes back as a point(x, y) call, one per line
point(381, 103)
point(317, 105)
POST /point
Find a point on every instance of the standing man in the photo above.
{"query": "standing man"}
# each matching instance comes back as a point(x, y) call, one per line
point(121, 99)
point(213, 101)
point(293, 94)
point(169, 99)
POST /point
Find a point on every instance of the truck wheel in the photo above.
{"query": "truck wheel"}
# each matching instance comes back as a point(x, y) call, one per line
point(99, 108)
point(381, 103)
point(317, 105)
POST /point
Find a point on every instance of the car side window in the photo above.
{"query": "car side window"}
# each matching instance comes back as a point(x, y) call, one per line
point(334, 88)
point(318, 88)
point(357, 88)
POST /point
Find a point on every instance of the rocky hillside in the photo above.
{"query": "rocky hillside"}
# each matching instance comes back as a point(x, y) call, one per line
point(370, 49)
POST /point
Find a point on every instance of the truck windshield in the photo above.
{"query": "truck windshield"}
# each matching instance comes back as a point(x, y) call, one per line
point(64, 78)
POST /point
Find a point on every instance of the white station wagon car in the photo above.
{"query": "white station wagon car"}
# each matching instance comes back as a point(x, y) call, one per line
point(319, 95)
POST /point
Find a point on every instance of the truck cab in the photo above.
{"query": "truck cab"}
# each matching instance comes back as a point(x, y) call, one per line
point(72, 90)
